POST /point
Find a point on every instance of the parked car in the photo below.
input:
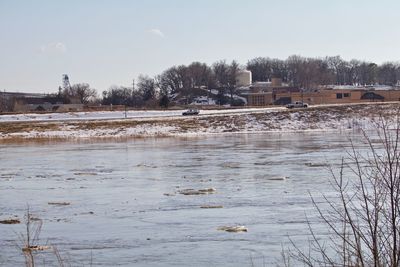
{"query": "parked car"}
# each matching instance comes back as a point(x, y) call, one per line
point(297, 104)
point(191, 111)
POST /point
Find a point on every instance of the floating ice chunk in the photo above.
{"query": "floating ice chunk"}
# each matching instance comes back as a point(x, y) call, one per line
point(233, 229)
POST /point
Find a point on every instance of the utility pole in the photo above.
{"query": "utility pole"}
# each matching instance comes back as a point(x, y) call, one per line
point(2, 96)
point(133, 102)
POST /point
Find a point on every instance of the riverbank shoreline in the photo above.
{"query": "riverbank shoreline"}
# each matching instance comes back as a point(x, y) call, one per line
point(276, 120)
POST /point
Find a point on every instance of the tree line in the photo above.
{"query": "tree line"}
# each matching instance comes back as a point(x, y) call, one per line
point(310, 72)
point(178, 83)
point(183, 83)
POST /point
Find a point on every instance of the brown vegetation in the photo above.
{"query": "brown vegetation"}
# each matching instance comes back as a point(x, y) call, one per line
point(10, 221)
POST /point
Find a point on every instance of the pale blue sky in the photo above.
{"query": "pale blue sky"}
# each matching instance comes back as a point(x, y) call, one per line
point(110, 42)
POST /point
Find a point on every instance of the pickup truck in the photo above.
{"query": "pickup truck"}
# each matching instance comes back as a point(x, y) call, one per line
point(297, 104)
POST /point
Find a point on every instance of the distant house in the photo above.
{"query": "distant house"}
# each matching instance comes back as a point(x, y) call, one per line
point(203, 100)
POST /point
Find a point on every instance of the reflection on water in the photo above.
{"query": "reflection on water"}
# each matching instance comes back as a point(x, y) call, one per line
point(127, 207)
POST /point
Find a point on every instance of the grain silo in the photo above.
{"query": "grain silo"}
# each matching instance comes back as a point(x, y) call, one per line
point(243, 78)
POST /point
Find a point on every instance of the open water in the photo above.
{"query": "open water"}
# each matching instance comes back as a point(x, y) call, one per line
point(126, 207)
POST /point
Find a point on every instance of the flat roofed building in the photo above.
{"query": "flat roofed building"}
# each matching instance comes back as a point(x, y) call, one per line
point(323, 96)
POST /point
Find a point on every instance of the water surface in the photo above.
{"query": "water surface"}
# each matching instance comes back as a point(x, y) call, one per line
point(125, 206)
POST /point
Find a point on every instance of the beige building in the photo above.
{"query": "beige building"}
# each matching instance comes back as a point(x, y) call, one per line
point(323, 96)
point(26, 102)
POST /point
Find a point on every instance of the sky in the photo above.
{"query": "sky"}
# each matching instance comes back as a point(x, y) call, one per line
point(111, 42)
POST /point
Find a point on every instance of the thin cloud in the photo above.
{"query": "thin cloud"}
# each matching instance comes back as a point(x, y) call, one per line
point(157, 32)
point(54, 48)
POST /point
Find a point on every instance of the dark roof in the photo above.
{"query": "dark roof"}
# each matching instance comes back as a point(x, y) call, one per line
point(372, 95)
point(40, 100)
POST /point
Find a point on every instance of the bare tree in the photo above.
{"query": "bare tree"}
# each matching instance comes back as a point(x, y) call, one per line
point(232, 74)
point(339, 68)
point(198, 74)
point(261, 68)
point(146, 87)
point(171, 80)
point(265, 68)
point(6, 102)
point(82, 91)
point(364, 219)
point(388, 73)
point(118, 95)
point(294, 65)
point(221, 72)
point(29, 240)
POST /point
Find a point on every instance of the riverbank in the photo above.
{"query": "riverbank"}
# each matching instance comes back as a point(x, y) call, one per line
point(320, 118)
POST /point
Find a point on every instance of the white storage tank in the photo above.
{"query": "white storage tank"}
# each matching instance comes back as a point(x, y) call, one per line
point(243, 78)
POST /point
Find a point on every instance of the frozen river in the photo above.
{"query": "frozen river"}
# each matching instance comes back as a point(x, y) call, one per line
point(125, 206)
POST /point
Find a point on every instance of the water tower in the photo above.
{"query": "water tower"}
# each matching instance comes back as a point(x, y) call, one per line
point(243, 78)
point(65, 82)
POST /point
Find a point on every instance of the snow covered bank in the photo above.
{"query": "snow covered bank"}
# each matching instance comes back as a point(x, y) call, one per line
point(116, 115)
point(339, 118)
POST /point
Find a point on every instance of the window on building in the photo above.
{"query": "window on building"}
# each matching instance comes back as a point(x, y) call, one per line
point(339, 96)
point(262, 101)
point(259, 100)
point(346, 95)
